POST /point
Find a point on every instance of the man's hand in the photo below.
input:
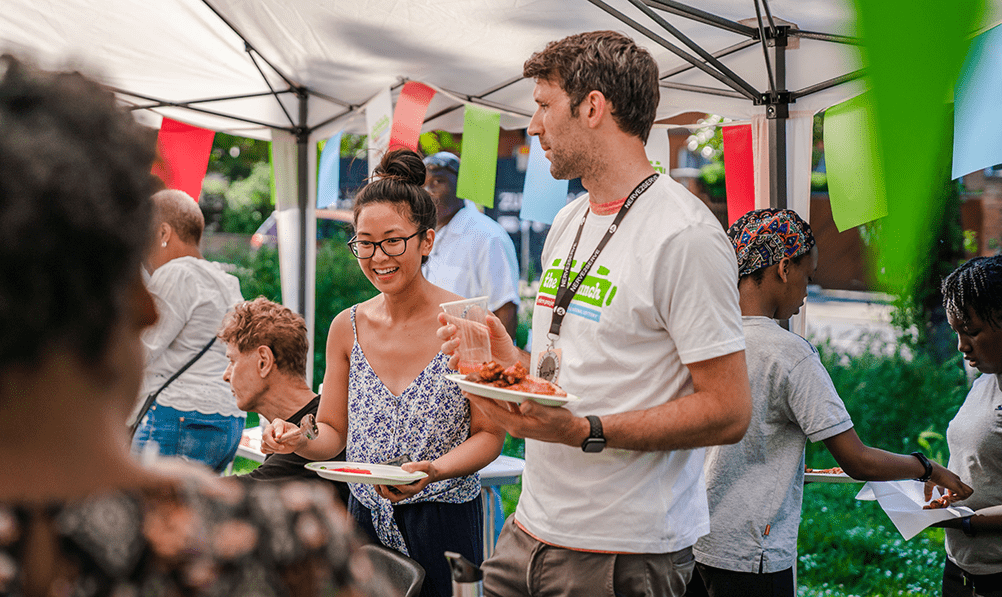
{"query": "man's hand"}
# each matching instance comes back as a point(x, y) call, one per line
point(281, 437)
point(508, 314)
point(533, 420)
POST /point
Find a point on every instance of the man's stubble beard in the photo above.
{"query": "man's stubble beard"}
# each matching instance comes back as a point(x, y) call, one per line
point(572, 164)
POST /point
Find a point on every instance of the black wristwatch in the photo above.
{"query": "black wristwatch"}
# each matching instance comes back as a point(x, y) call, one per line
point(965, 525)
point(595, 442)
point(928, 466)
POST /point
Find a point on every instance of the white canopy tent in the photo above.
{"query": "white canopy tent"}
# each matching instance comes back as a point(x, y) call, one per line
point(296, 71)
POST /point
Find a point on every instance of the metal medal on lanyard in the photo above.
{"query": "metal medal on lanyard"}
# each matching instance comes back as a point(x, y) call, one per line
point(548, 366)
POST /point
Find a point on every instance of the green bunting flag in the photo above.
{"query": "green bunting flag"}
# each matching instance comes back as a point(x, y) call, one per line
point(855, 186)
point(912, 53)
point(478, 169)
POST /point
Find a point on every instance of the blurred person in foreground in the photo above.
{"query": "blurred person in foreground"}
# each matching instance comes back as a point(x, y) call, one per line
point(78, 514)
point(473, 255)
point(195, 416)
point(649, 338)
point(756, 486)
point(972, 295)
point(267, 346)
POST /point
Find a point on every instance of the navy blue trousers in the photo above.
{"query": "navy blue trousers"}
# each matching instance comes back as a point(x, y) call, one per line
point(429, 530)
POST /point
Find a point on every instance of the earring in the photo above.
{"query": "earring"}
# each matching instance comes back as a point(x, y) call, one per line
point(164, 245)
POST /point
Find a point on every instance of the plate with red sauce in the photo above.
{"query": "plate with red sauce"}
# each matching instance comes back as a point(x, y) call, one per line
point(505, 394)
point(363, 472)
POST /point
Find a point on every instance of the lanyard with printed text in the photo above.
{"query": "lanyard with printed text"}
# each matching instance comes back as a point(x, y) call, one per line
point(565, 291)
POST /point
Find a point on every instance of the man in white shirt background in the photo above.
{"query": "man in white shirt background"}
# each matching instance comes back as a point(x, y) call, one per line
point(195, 416)
point(473, 255)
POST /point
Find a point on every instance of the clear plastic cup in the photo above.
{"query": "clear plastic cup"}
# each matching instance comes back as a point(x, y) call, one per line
point(470, 318)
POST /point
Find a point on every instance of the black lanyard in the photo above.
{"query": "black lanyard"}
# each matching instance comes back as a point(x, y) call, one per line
point(566, 292)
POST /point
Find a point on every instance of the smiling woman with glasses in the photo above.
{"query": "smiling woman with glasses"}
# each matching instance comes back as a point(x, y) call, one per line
point(385, 368)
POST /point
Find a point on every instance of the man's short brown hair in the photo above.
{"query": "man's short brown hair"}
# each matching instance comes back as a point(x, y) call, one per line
point(608, 62)
point(261, 322)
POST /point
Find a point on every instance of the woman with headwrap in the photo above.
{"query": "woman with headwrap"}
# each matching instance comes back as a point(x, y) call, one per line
point(755, 487)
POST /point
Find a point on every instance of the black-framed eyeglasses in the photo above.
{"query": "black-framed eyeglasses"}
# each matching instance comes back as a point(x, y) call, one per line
point(392, 247)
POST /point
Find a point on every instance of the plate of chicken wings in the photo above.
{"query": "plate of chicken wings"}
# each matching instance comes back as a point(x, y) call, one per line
point(512, 384)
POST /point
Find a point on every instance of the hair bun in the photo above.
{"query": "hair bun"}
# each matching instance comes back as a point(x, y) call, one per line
point(402, 165)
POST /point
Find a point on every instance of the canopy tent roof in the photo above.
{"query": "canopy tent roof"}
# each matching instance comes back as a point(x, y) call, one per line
point(303, 69)
point(238, 66)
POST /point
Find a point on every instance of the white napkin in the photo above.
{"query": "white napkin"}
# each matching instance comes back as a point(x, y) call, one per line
point(903, 502)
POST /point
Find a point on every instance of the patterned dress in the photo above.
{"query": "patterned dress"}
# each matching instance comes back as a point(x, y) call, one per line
point(430, 418)
point(229, 537)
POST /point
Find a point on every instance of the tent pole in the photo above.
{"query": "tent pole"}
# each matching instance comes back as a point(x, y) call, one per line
point(777, 110)
point(303, 193)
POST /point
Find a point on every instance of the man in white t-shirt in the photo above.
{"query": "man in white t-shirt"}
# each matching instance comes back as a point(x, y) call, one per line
point(473, 255)
point(648, 336)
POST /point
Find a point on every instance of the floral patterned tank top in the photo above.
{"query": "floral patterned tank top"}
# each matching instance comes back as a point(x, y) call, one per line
point(426, 421)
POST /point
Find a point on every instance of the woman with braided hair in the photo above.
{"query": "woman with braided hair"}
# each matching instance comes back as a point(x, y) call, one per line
point(384, 393)
point(972, 295)
point(755, 487)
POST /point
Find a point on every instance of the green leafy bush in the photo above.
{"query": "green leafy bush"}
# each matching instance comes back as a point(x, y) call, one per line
point(340, 284)
point(248, 201)
point(901, 399)
point(896, 395)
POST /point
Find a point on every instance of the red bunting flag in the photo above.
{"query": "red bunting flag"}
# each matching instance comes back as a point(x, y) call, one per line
point(408, 116)
point(739, 171)
point(183, 152)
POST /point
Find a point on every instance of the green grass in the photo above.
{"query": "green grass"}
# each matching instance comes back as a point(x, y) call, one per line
point(242, 466)
point(849, 547)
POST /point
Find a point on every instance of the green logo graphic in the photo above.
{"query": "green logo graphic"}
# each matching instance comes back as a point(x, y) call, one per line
point(595, 290)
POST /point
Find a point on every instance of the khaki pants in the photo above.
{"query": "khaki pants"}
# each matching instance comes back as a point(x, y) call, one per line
point(521, 565)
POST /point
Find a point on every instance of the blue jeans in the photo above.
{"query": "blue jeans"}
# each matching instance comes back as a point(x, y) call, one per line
point(210, 439)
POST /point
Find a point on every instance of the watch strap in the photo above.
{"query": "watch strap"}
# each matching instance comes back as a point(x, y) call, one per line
point(595, 442)
point(928, 466)
point(965, 525)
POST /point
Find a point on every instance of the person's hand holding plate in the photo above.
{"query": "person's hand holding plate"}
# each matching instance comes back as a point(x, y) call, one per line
point(396, 493)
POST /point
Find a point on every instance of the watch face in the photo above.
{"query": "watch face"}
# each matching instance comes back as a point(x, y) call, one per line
point(593, 444)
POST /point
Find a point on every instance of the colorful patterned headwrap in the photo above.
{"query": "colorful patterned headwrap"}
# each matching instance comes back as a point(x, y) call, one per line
point(765, 236)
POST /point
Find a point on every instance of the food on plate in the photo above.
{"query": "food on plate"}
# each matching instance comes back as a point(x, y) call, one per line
point(359, 471)
point(940, 502)
point(514, 378)
point(825, 471)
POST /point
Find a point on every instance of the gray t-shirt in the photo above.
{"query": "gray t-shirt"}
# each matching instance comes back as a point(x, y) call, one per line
point(975, 440)
point(755, 487)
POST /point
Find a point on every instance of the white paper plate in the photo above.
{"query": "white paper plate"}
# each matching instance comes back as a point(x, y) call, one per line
point(379, 474)
point(508, 395)
point(829, 478)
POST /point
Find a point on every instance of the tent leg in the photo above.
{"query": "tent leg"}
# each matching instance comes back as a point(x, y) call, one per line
point(303, 191)
point(777, 112)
